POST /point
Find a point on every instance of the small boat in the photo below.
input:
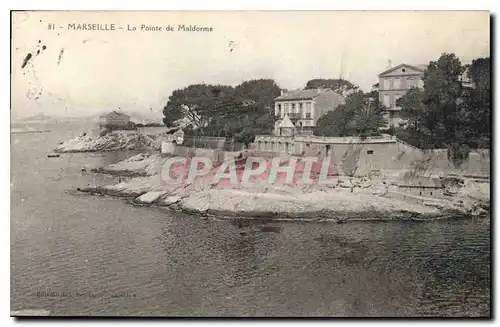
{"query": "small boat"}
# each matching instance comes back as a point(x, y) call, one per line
point(53, 155)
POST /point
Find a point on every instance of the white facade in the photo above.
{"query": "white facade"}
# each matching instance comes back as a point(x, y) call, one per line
point(393, 84)
point(304, 109)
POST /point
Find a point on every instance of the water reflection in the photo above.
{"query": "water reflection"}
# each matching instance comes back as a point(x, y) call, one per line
point(182, 265)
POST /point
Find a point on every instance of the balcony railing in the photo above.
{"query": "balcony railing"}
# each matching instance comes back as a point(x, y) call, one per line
point(296, 116)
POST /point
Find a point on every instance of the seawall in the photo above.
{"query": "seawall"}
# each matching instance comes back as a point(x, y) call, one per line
point(384, 155)
point(172, 149)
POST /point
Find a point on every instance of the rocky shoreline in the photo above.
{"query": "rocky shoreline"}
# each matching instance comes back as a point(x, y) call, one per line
point(338, 203)
point(113, 141)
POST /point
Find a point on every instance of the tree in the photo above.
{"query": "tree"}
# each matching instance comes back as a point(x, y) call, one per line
point(254, 112)
point(368, 118)
point(478, 100)
point(448, 113)
point(412, 106)
point(440, 121)
point(199, 103)
point(260, 91)
point(219, 110)
point(434, 113)
point(361, 115)
point(171, 114)
point(339, 85)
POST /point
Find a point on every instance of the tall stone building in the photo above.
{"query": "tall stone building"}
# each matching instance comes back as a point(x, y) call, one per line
point(393, 84)
point(396, 81)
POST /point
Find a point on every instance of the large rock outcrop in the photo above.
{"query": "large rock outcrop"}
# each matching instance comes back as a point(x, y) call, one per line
point(117, 140)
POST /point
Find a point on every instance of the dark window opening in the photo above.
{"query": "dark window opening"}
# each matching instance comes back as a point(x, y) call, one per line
point(431, 193)
point(327, 149)
point(369, 152)
point(403, 70)
point(420, 193)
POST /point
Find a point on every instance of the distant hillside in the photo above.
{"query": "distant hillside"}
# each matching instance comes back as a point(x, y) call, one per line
point(38, 117)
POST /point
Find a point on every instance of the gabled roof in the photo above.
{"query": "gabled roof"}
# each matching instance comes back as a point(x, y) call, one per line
point(300, 95)
point(419, 67)
point(286, 122)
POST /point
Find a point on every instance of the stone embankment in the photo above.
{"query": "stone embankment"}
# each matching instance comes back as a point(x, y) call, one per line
point(346, 199)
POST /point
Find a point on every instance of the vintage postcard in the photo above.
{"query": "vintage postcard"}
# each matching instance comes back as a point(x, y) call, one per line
point(250, 163)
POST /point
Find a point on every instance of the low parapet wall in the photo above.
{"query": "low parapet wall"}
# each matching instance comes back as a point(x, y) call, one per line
point(361, 159)
point(478, 163)
point(171, 149)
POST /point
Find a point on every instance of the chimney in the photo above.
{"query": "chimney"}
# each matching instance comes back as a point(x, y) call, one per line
point(282, 91)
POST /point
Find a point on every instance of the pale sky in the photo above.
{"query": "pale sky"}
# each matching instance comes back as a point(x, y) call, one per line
point(102, 70)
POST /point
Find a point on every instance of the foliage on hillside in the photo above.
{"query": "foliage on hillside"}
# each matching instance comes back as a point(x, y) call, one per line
point(221, 110)
point(447, 113)
point(361, 115)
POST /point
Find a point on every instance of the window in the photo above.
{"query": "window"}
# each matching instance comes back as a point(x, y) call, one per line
point(387, 84)
point(308, 115)
point(369, 151)
point(387, 100)
point(293, 106)
point(403, 70)
point(404, 83)
point(300, 106)
point(431, 193)
point(397, 83)
point(279, 107)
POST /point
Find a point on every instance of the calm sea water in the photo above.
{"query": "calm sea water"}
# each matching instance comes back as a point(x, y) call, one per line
point(77, 254)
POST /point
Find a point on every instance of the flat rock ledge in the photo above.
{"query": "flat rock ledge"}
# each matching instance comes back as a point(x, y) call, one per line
point(225, 204)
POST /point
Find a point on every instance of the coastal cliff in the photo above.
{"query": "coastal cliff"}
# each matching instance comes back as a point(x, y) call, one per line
point(113, 141)
point(347, 199)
